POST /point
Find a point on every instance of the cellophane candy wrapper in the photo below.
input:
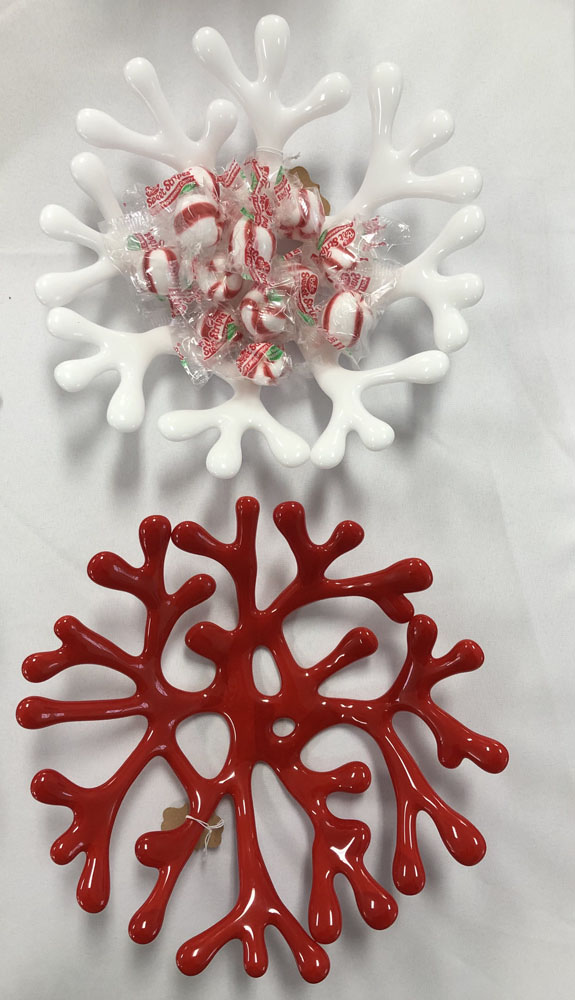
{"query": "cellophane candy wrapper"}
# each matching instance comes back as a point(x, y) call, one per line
point(136, 248)
point(188, 353)
point(246, 265)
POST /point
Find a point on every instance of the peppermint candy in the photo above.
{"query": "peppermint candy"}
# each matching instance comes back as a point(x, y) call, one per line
point(263, 363)
point(346, 317)
point(251, 248)
point(263, 313)
point(197, 218)
point(215, 280)
point(163, 196)
point(302, 214)
point(336, 249)
point(159, 270)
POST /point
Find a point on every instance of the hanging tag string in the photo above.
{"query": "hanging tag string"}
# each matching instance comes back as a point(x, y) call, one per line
point(208, 827)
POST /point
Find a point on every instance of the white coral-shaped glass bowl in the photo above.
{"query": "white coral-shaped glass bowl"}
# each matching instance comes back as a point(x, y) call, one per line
point(208, 245)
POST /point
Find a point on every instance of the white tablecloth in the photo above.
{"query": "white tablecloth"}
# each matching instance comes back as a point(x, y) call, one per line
point(479, 483)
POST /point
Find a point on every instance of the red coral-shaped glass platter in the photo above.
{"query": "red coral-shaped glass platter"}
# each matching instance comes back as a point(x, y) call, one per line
point(339, 844)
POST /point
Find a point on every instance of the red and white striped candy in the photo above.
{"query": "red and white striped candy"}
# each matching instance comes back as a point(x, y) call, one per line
point(217, 329)
point(251, 247)
point(159, 270)
point(197, 219)
point(262, 363)
point(215, 280)
point(263, 314)
point(302, 214)
point(345, 318)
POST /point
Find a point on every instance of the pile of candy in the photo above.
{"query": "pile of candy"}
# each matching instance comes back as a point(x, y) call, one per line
point(248, 266)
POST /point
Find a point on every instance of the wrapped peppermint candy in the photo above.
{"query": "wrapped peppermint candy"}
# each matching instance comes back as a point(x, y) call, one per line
point(355, 258)
point(301, 215)
point(360, 247)
point(187, 204)
point(138, 251)
point(197, 215)
point(263, 313)
point(159, 270)
point(338, 249)
point(163, 197)
point(197, 221)
point(252, 246)
point(216, 331)
point(252, 243)
point(346, 318)
point(264, 364)
point(215, 279)
point(304, 285)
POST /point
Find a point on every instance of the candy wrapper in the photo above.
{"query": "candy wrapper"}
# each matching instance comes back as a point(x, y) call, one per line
point(351, 254)
point(188, 353)
point(300, 210)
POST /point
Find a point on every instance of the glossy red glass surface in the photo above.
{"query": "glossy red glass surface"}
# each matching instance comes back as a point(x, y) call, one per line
point(339, 844)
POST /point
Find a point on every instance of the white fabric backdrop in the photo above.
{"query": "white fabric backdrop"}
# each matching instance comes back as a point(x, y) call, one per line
point(479, 483)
